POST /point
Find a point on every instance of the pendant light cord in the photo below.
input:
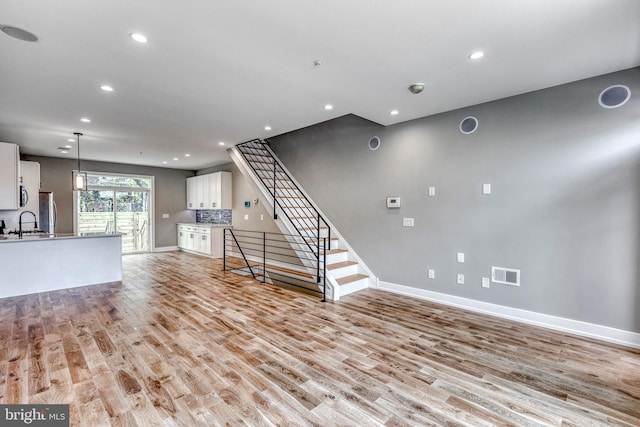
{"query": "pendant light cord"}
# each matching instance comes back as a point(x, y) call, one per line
point(78, 134)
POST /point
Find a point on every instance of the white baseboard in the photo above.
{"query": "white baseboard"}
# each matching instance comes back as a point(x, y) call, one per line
point(166, 249)
point(591, 330)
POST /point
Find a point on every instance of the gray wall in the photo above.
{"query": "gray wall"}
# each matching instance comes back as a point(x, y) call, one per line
point(170, 192)
point(564, 209)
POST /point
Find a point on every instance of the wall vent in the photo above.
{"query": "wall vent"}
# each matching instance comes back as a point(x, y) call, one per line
point(468, 125)
point(374, 143)
point(506, 276)
point(614, 96)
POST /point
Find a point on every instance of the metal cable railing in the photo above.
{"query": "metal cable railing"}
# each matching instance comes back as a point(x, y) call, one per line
point(275, 258)
point(287, 197)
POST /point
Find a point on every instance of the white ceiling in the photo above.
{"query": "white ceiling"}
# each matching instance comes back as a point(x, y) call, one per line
point(222, 70)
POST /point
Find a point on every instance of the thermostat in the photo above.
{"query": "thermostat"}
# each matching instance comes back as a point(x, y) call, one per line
point(393, 202)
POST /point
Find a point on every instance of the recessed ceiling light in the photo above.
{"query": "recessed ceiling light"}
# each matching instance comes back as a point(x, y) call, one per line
point(106, 88)
point(140, 38)
point(220, 143)
point(187, 155)
point(19, 33)
point(476, 55)
point(71, 140)
point(175, 158)
point(267, 128)
point(328, 107)
point(164, 163)
point(67, 147)
point(86, 120)
point(394, 112)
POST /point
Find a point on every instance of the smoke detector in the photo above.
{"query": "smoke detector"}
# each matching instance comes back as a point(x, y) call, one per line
point(416, 88)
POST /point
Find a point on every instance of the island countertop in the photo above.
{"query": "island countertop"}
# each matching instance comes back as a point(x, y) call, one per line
point(45, 263)
point(31, 237)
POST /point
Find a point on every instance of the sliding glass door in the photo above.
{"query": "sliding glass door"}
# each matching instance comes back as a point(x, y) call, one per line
point(117, 204)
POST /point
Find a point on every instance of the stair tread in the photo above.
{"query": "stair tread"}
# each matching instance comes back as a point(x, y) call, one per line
point(341, 265)
point(336, 251)
point(350, 279)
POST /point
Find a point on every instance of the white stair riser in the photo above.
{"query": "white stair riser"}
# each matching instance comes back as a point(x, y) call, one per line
point(339, 257)
point(352, 287)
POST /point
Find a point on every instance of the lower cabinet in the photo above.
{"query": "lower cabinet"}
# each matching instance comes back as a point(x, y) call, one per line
point(201, 239)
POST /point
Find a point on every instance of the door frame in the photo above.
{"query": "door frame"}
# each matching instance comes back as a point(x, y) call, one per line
point(152, 198)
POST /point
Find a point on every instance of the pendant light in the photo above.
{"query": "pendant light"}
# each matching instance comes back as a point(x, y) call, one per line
point(79, 178)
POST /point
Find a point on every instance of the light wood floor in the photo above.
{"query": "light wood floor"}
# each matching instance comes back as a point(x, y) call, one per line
point(180, 343)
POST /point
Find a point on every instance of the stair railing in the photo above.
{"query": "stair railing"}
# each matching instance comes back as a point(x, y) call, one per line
point(277, 255)
point(287, 196)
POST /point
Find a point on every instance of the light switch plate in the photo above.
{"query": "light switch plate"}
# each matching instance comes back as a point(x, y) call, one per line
point(432, 191)
point(431, 274)
point(165, 216)
point(486, 188)
point(460, 279)
point(246, 216)
point(485, 282)
point(407, 222)
point(460, 257)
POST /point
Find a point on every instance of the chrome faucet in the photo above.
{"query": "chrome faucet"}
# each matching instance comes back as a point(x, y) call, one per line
point(35, 222)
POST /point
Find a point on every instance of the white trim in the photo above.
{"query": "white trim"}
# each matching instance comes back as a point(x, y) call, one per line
point(166, 249)
point(591, 330)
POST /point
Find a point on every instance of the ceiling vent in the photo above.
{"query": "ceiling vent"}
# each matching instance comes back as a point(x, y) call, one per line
point(468, 125)
point(374, 143)
point(506, 276)
point(614, 96)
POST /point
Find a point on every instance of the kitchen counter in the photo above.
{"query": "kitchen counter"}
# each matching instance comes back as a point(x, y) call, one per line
point(42, 262)
point(4, 238)
point(204, 224)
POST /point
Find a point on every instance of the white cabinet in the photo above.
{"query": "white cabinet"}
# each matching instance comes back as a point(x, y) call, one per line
point(192, 194)
point(201, 239)
point(9, 176)
point(211, 191)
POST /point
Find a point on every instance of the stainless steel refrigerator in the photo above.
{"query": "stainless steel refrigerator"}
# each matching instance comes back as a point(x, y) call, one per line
point(48, 213)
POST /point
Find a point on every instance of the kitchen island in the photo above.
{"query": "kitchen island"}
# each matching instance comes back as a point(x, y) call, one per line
point(40, 263)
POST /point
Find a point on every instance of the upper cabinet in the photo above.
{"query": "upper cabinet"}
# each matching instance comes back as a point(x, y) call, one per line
point(9, 176)
point(211, 191)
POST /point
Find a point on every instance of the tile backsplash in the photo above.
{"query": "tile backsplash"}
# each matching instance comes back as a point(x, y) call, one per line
point(214, 216)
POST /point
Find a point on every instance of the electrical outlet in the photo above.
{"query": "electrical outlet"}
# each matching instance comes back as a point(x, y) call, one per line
point(485, 282)
point(246, 217)
point(460, 257)
point(261, 217)
point(165, 216)
point(486, 188)
point(431, 273)
point(407, 222)
point(460, 279)
point(432, 191)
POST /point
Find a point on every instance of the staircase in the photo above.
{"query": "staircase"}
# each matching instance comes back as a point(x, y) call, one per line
point(295, 213)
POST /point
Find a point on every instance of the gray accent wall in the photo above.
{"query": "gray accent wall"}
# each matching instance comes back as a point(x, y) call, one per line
point(170, 192)
point(564, 207)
